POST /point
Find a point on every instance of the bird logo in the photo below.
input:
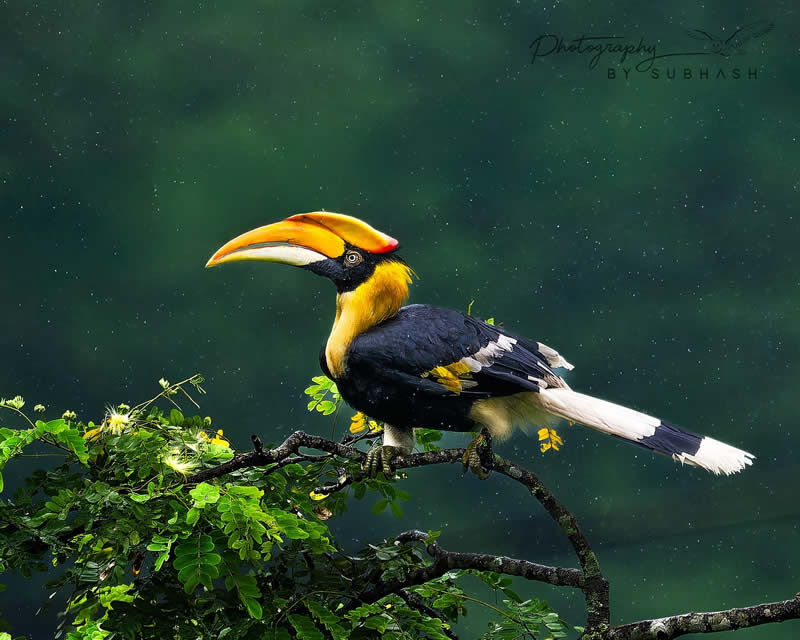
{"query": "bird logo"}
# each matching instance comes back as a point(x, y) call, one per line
point(734, 44)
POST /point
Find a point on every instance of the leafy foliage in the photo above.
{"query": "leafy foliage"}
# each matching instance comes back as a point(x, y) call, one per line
point(319, 392)
point(143, 551)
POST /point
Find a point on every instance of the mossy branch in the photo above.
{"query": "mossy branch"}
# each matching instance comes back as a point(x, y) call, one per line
point(711, 622)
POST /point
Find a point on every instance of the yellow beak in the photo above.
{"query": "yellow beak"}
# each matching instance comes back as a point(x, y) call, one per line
point(304, 238)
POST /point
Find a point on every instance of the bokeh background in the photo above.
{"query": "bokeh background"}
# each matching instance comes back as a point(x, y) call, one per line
point(647, 228)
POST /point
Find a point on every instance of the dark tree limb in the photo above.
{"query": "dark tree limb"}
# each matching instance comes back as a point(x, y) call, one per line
point(444, 561)
point(728, 620)
point(595, 588)
point(588, 578)
point(289, 447)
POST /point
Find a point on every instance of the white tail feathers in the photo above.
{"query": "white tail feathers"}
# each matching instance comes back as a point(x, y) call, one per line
point(719, 457)
point(644, 430)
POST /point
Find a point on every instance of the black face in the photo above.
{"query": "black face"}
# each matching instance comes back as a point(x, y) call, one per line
point(352, 268)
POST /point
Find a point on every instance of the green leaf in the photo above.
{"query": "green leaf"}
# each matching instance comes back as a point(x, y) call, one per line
point(328, 619)
point(513, 595)
point(363, 611)
point(379, 622)
point(379, 506)
point(326, 407)
point(431, 537)
point(161, 560)
point(305, 628)
point(203, 494)
point(248, 592)
point(74, 441)
point(245, 491)
point(397, 511)
point(176, 418)
point(194, 563)
point(253, 608)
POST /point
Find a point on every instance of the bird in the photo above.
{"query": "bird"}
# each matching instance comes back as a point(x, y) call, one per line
point(422, 366)
point(733, 44)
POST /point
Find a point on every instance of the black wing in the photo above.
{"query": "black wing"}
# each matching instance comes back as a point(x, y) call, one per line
point(446, 352)
point(699, 34)
point(748, 32)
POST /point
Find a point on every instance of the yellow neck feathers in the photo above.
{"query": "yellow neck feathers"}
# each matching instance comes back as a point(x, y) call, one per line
point(373, 301)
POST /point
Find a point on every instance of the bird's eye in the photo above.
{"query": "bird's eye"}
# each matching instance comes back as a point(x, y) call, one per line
point(353, 258)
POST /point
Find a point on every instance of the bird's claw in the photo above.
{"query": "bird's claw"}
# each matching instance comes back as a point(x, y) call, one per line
point(478, 456)
point(379, 458)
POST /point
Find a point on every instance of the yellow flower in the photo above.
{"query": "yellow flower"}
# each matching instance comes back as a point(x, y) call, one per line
point(117, 422)
point(317, 496)
point(178, 463)
point(220, 439)
point(358, 423)
point(114, 423)
point(549, 439)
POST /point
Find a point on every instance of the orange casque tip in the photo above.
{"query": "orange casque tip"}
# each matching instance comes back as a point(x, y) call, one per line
point(351, 230)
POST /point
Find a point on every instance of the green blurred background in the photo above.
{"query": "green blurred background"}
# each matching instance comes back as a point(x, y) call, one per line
point(645, 228)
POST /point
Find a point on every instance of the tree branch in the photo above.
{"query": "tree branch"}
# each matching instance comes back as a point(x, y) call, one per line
point(728, 620)
point(589, 578)
point(290, 446)
point(444, 561)
point(595, 587)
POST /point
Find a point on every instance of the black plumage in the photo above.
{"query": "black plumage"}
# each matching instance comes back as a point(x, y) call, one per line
point(388, 367)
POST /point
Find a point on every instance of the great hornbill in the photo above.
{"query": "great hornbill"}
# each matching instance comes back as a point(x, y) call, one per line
point(424, 366)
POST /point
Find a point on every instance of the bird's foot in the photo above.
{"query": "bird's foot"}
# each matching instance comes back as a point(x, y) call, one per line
point(379, 458)
point(479, 457)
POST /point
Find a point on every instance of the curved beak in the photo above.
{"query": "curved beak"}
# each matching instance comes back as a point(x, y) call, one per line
point(304, 239)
